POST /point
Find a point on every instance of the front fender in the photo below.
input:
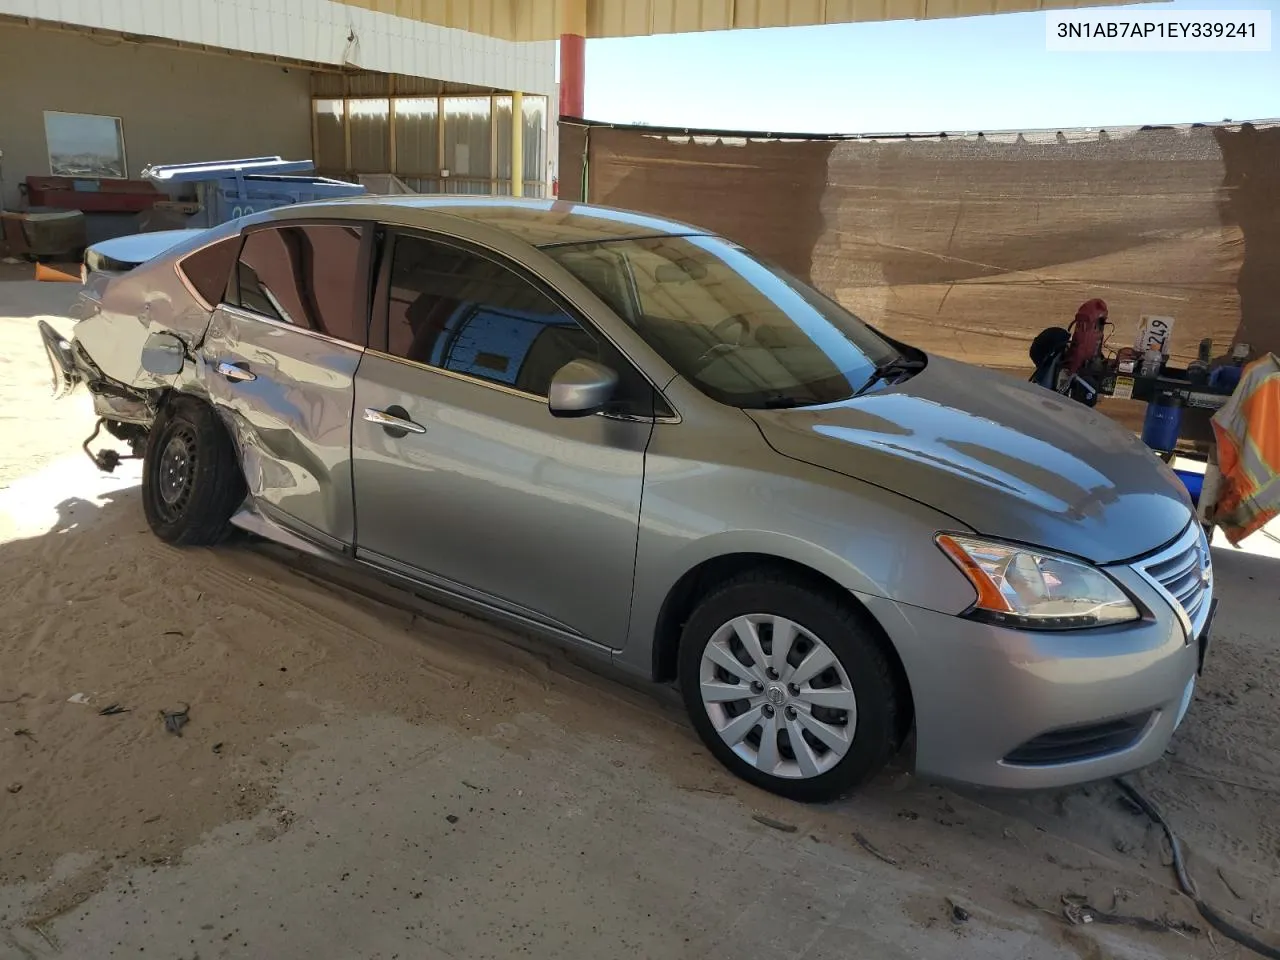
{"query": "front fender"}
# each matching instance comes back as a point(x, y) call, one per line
point(870, 541)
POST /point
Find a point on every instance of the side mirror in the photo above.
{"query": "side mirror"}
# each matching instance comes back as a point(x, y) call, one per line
point(581, 388)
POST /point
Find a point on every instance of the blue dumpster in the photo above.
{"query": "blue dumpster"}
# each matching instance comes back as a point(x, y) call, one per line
point(228, 189)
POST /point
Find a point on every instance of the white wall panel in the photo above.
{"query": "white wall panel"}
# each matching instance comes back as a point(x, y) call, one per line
point(316, 31)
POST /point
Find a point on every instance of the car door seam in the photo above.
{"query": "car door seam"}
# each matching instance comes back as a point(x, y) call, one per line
point(635, 546)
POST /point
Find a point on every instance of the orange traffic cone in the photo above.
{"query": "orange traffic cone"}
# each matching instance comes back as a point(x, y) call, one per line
point(55, 275)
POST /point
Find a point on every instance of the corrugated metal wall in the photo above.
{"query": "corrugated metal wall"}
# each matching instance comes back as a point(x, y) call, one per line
point(542, 20)
point(390, 35)
point(508, 19)
point(316, 31)
point(362, 84)
point(622, 18)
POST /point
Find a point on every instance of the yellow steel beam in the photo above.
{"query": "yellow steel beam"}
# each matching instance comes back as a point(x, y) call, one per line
point(517, 144)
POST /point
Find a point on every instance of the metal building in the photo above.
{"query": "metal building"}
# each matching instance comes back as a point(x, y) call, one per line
point(448, 95)
point(99, 89)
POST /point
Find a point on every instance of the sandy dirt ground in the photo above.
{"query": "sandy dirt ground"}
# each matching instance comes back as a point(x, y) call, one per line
point(364, 774)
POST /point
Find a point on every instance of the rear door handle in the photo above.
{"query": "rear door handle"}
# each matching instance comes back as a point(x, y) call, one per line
point(394, 420)
point(234, 371)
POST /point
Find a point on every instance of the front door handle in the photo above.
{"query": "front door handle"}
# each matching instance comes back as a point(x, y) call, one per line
point(394, 420)
point(234, 371)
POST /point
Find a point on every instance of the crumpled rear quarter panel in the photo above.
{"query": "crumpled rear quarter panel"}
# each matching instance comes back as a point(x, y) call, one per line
point(116, 314)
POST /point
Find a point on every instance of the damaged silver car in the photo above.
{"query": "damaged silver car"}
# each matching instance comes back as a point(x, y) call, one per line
point(642, 442)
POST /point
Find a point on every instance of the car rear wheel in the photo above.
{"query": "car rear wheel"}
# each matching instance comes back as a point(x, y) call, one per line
point(789, 687)
point(191, 479)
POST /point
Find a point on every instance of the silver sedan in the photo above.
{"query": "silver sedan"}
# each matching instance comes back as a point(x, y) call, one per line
point(641, 441)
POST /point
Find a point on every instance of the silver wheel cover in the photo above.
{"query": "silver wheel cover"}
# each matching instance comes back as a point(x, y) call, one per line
point(778, 696)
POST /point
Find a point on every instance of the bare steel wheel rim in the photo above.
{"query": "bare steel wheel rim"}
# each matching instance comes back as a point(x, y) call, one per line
point(176, 472)
point(778, 696)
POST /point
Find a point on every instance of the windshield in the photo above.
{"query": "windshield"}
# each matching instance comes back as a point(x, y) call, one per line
point(743, 333)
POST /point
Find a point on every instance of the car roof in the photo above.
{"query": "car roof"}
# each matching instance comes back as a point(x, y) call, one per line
point(540, 223)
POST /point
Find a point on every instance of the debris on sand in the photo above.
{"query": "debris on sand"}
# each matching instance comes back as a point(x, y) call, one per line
point(774, 824)
point(1077, 910)
point(1229, 885)
point(112, 710)
point(865, 844)
point(175, 720)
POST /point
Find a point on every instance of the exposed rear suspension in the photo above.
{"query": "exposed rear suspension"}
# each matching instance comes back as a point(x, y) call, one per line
point(108, 459)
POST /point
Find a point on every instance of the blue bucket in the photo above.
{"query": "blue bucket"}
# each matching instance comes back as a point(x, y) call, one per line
point(1162, 424)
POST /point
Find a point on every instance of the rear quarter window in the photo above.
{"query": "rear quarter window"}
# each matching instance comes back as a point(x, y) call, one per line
point(206, 271)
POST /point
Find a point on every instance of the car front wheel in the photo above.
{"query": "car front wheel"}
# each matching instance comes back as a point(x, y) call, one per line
point(789, 687)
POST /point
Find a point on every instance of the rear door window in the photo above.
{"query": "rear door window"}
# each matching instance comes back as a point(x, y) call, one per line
point(206, 271)
point(308, 276)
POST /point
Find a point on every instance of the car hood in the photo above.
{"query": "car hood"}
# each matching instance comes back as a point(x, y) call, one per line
point(1005, 458)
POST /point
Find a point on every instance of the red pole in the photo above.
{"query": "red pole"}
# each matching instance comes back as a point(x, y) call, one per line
point(573, 74)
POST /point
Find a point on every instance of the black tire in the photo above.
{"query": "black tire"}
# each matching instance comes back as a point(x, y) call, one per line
point(848, 632)
point(190, 503)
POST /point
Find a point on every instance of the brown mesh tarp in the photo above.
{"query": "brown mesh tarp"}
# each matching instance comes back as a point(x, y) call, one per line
point(969, 245)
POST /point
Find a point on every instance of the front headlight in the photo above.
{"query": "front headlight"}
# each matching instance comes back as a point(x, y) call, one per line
point(1020, 587)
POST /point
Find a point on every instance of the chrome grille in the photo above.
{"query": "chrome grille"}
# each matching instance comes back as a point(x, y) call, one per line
point(1183, 572)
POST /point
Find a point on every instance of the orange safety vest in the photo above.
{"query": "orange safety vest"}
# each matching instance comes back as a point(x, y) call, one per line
point(1247, 429)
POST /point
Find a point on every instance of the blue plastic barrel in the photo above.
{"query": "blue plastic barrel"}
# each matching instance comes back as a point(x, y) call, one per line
point(1194, 482)
point(1162, 423)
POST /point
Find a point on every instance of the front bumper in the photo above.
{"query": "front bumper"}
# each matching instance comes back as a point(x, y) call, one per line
point(62, 364)
point(991, 703)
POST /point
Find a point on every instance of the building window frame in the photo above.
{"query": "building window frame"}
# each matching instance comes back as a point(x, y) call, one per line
point(91, 174)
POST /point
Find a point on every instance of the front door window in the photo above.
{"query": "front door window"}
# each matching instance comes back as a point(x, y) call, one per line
point(455, 310)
